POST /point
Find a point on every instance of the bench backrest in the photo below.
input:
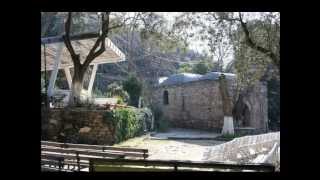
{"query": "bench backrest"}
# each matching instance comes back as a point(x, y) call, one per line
point(60, 154)
point(82, 152)
point(131, 152)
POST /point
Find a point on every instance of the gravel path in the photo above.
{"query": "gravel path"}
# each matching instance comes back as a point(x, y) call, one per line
point(171, 149)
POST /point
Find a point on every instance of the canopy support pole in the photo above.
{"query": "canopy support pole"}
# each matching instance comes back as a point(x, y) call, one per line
point(68, 75)
point(93, 76)
point(54, 72)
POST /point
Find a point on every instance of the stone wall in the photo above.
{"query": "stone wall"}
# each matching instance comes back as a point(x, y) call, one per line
point(243, 149)
point(198, 105)
point(78, 126)
point(192, 105)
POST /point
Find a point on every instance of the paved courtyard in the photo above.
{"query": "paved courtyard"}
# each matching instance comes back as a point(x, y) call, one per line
point(175, 149)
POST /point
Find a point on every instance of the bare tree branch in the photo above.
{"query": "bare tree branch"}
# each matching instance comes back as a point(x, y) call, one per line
point(253, 45)
point(249, 41)
point(116, 26)
point(122, 24)
point(100, 41)
point(223, 18)
point(75, 57)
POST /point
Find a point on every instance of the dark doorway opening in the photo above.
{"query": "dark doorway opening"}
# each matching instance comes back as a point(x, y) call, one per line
point(246, 116)
point(165, 97)
point(242, 114)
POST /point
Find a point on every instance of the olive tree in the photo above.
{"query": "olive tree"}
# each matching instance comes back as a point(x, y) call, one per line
point(253, 39)
point(108, 21)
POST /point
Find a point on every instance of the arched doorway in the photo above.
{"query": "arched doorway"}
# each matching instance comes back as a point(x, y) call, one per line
point(242, 113)
point(246, 116)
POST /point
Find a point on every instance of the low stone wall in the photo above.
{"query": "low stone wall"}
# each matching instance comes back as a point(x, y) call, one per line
point(246, 131)
point(243, 149)
point(78, 126)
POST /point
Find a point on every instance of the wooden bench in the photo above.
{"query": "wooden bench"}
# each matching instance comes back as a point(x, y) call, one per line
point(131, 165)
point(77, 156)
point(128, 152)
point(59, 157)
point(63, 162)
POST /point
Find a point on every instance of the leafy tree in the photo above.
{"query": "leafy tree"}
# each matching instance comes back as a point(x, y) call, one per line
point(100, 24)
point(252, 65)
point(202, 67)
point(261, 34)
point(199, 26)
point(185, 68)
point(217, 28)
point(81, 68)
point(254, 39)
point(153, 44)
point(134, 88)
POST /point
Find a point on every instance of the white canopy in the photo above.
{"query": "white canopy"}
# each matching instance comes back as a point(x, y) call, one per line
point(58, 57)
point(111, 55)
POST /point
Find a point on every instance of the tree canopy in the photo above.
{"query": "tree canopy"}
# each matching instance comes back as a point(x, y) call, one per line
point(244, 43)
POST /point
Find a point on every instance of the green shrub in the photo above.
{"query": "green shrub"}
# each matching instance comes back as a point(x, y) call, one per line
point(134, 88)
point(185, 68)
point(202, 67)
point(126, 122)
point(147, 116)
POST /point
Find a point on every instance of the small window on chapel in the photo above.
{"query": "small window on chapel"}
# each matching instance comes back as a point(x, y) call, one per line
point(165, 97)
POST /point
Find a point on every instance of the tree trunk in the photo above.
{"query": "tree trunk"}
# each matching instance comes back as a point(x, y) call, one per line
point(77, 86)
point(226, 100)
point(80, 69)
point(228, 127)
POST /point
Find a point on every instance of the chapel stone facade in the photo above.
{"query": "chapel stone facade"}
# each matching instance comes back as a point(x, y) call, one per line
point(194, 101)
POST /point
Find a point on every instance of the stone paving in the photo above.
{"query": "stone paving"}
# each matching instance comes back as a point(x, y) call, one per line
point(168, 149)
point(200, 150)
point(186, 134)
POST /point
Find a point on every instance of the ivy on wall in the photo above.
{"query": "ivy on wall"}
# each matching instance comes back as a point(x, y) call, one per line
point(126, 122)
